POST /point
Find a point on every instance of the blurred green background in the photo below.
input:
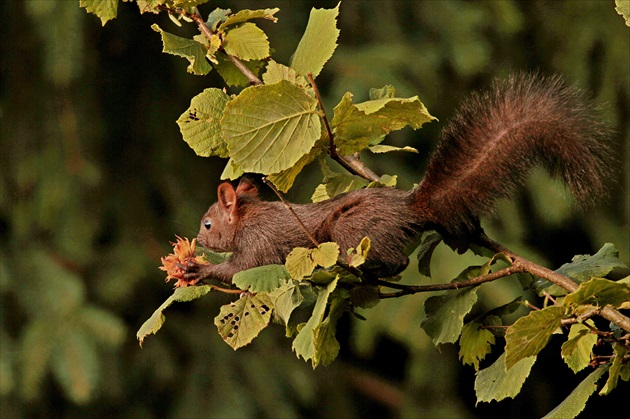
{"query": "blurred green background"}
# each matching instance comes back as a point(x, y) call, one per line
point(96, 181)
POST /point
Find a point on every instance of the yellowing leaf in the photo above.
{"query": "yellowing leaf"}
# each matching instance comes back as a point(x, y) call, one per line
point(326, 254)
point(106, 10)
point(245, 15)
point(318, 42)
point(241, 321)
point(247, 42)
point(276, 72)
point(576, 351)
point(529, 334)
point(200, 126)
point(269, 128)
point(357, 126)
point(356, 257)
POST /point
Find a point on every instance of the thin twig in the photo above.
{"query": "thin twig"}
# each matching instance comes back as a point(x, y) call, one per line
point(287, 205)
point(413, 289)
point(208, 33)
point(351, 163)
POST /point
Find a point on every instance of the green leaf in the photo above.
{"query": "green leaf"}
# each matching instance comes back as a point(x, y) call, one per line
point(357, 126)
point(75, 364)
point(155, 322)
point(474, 344)
point(530, 334)
point(599, 292)
point(247, 42)
point(622, 7)
point(425, 252)
point(285, 299)
point(318, 42)
point(575, 403)
point(576, 351)
point(445, 314)
point(584, 267)
point(241, 321)
point(304, 342)
point(326, 344)
point(106, 10)
point(262, 278)
point(247, 15)
point(336, 183)
point(190, 49)
point(495, 383)
point(200, 126)
point(615, 369)
point(276, 72)
point(216, 17)
point(269, 128)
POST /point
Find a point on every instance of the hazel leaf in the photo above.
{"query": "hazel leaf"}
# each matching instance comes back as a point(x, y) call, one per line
point(199, 124)
point(318, 42)
point(241, 321)
point(157, 319)
point(269, 128)
point(530, 334)
point(190, 49)
point(106, 10)
point(495, 383)
point(247, 42)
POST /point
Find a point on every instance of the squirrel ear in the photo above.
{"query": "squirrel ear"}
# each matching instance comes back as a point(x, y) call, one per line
point(227, 199)
point(246, 187)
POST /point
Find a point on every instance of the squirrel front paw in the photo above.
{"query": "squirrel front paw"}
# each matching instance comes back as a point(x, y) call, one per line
point(195, 272)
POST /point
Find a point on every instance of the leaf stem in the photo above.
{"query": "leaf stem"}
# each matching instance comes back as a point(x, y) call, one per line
point(287, 205)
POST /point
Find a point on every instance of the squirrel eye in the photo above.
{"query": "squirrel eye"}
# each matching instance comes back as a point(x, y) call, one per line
point(207, 224)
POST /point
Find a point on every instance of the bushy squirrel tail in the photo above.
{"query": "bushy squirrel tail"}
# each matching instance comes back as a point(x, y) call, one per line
point(496, 137)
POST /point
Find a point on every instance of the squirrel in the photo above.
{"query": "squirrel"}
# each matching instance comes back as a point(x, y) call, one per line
point(484, 154)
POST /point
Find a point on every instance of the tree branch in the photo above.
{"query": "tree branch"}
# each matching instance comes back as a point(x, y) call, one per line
point(413, 289)
point(607, 312)
point(350, 163)
point(290, 209)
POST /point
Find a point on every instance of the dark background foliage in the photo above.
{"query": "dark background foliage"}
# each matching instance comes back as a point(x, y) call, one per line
point(96, 181)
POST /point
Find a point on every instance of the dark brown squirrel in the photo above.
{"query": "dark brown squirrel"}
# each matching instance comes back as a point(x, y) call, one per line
point(484, 154)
